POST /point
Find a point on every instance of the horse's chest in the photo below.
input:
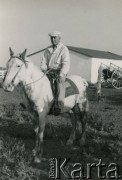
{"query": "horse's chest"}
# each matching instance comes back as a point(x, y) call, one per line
point(30, 93)
point(34, 98)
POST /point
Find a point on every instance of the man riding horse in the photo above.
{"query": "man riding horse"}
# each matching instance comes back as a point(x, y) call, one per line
point(38, 91)
point(56, 61)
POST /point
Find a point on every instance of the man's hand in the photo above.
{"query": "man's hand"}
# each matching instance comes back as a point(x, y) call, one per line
point(62, 79)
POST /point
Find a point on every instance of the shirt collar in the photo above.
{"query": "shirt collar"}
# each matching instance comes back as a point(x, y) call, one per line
point(51, 47)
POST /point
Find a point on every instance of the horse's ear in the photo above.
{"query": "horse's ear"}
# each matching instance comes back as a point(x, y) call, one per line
point(11, 52)
point(23, 55)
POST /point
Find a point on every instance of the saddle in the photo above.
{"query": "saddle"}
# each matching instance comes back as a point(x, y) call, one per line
point(70, 87)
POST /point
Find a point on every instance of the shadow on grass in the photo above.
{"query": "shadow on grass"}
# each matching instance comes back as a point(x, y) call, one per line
point(97, 145)
point(17, 130)
point(115, 100)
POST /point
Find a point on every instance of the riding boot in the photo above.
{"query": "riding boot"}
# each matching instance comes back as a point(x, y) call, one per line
point(58, 108)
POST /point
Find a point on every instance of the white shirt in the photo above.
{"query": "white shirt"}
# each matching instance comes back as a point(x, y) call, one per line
point(56, 59)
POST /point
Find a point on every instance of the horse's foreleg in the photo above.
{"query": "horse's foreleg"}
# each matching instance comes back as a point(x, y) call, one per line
point(83, 121)
point(39, 137)
point(37, 142)
point(72, 135)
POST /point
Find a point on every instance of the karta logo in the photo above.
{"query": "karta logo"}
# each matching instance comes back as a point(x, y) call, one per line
point(64, 168)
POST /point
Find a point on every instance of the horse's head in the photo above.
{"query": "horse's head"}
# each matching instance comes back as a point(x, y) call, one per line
point(15, 70)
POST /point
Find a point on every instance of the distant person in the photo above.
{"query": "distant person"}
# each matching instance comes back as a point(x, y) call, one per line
point(56, 59)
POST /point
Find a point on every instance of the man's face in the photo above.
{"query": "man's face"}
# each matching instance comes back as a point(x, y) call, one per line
point(55, 40)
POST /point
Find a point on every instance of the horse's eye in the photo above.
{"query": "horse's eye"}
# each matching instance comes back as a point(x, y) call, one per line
point(18, 66)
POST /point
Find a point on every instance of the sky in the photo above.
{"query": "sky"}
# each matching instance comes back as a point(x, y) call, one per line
point(93, 24)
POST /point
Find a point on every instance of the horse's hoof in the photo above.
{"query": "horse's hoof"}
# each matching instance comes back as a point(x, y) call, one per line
point(69, 142)
point(37, 160)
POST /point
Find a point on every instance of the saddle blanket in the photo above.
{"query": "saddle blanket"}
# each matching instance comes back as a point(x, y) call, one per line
point(70, 88)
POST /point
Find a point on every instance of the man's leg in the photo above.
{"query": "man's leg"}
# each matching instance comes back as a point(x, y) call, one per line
point(60, 95)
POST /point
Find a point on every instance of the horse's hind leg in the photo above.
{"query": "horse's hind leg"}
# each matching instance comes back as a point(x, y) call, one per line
point(83, 119)
point(72, 135)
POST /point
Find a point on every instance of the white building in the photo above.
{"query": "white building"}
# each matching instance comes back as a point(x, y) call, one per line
point(2, 72)
point(86, 62)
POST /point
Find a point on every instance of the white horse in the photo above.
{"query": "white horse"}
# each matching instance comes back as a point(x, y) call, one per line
point(38, 90)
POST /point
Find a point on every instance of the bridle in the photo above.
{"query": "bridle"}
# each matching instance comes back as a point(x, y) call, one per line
point(21, 68)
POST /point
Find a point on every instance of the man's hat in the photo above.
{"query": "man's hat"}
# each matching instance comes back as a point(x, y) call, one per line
point(55, 33)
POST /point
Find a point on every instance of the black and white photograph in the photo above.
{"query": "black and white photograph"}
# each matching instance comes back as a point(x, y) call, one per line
point(60, 89)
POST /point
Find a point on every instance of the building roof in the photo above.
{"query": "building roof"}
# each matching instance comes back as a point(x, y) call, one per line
point(95, 53)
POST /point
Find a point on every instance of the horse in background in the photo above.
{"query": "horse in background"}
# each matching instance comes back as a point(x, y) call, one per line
point(104, 76)
point(39, 92)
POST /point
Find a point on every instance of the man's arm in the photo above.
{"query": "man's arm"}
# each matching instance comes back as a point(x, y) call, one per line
point(65, 62)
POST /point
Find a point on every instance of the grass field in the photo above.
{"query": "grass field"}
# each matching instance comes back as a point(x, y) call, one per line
point(17, 138)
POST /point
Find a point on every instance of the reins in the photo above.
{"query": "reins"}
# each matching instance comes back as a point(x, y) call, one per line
point(23, 62)
point(45, 72)
point(20, 69)
point(29, 56)
point(39, 78)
